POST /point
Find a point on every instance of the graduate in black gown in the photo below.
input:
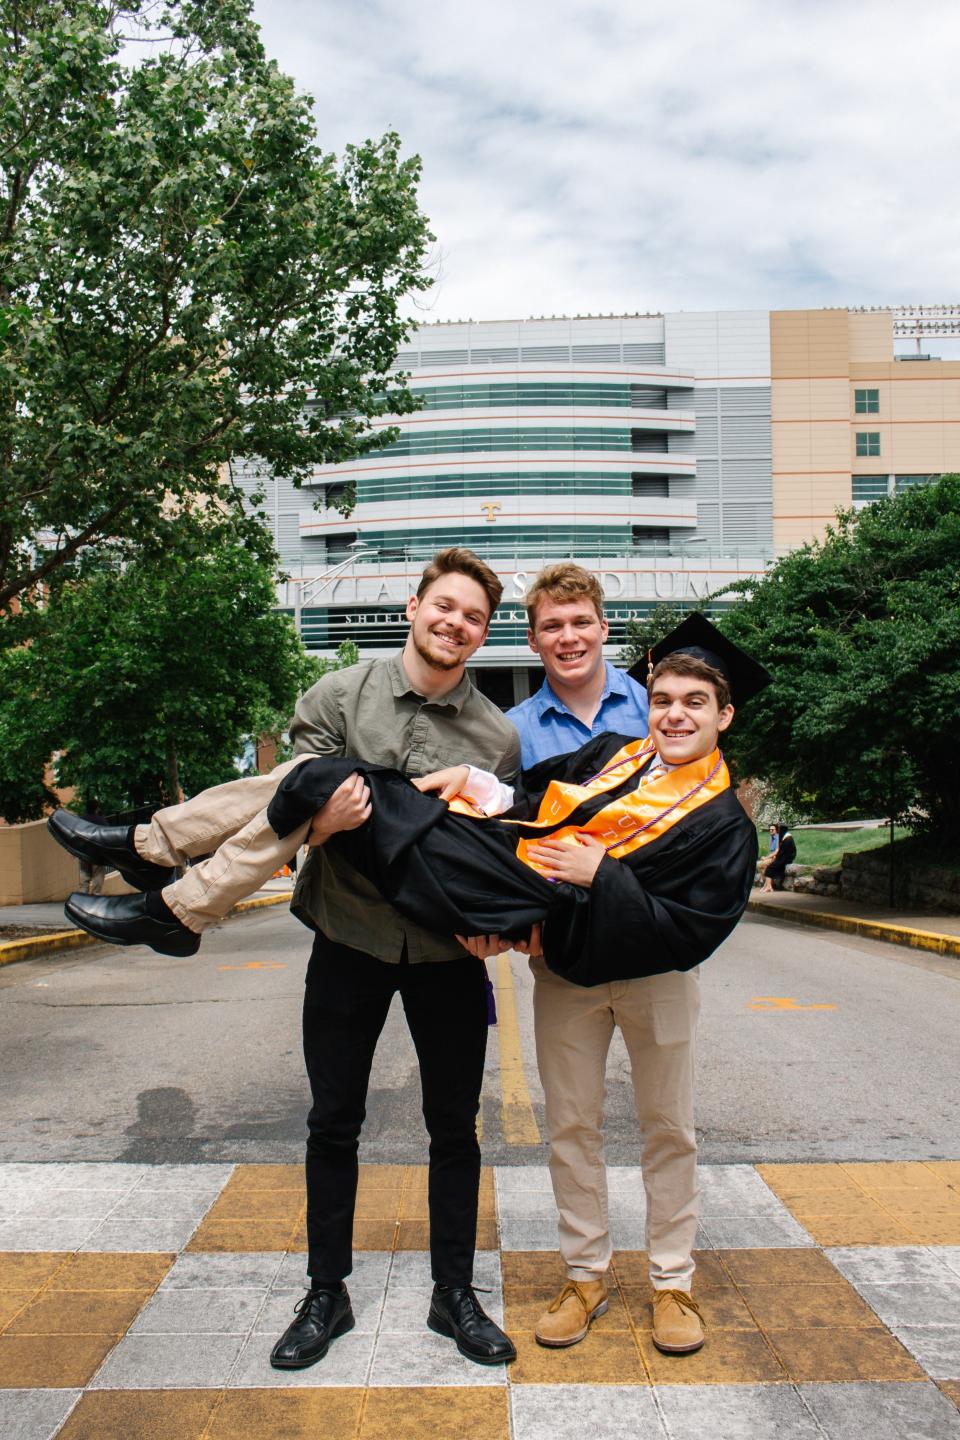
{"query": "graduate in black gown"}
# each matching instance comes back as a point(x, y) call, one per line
point(677, 851)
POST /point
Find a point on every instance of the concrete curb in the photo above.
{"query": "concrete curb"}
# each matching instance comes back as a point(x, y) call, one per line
point(928, 940)
point(33, 946)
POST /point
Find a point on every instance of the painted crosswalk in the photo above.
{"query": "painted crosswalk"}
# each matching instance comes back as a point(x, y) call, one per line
point(142, 1301)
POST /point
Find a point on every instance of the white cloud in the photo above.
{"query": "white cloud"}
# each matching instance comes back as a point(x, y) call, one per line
point(622, 155)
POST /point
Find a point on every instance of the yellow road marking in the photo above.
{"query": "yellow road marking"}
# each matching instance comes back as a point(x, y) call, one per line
point(518, 1122)
point(776, 1004)
point(256, 965)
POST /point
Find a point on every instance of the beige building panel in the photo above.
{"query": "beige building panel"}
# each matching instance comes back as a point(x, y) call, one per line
point(936, 400)
point(906, 372)
point(810, 400)
point(917, 449)
point(808, 343)
point(811, 447)
point(870, 335)
point(789, 533)
point(815, 495)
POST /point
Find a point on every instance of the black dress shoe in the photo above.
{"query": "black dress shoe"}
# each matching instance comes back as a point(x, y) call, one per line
point(108, 845)
point(125, 920)
point(455, 1311)
point(322, 1315)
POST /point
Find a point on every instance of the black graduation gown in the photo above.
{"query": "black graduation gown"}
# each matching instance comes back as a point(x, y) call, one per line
point(666, 906)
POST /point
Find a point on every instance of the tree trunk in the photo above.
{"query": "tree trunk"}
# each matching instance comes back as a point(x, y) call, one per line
point(174, 794)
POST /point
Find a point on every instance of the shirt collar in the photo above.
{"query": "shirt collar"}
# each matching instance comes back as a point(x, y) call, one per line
point(615, 684)
point(400, 684)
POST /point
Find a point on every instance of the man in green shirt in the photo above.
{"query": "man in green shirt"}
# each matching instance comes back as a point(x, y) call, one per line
point(417, 712)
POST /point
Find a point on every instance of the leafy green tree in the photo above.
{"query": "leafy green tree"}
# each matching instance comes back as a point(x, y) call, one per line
point(862, 636)
point(643, 634)
point(185, 277)
point(149, 677)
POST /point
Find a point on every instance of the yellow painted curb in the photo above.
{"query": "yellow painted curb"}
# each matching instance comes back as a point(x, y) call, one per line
point(262, 902)
point(928, 940)
point(31, 946)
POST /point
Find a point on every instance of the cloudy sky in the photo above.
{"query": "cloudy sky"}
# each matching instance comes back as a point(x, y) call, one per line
point(625, 155)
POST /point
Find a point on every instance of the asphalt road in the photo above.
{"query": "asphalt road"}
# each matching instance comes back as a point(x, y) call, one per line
point(812, 1046)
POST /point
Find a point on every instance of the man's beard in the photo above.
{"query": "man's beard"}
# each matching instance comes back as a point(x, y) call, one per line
point(436, 662)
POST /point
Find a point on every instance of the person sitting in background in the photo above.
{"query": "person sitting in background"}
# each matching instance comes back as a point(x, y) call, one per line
point(784, 855)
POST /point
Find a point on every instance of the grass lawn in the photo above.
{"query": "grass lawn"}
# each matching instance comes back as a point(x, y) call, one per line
point(826, 847)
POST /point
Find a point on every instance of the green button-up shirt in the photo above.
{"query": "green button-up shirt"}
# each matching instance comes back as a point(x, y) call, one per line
point(372, 712)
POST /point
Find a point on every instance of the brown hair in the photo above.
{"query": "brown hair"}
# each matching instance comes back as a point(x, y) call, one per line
point(563, 583)
point(682, 664)
point(457, 560)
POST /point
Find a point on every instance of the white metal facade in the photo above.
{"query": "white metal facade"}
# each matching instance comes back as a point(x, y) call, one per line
point(637, 445)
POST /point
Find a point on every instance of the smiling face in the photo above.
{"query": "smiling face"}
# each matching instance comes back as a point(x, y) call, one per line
point(685, 718)
point(569, 637)
point(449, 621)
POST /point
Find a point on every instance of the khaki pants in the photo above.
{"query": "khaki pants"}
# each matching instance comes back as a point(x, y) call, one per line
point(574, 1025)
point(230, 820)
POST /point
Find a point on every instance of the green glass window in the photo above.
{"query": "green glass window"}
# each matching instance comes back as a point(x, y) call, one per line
point(869, 487)
point(554, 437)
point(378, 489)
point(498, 540)
point(477, 394)
point(866, 402)
point(868, 442)
point(906, 482)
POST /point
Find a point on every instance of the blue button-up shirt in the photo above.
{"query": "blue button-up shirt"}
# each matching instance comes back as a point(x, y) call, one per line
point(548, 728)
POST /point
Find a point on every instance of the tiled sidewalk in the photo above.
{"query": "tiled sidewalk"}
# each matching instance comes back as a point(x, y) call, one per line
point(141, 1302)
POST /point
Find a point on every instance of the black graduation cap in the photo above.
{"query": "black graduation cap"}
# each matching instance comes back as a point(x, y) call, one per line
point(695, 635)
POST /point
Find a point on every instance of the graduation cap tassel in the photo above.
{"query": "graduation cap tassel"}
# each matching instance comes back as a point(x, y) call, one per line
point(649, 665)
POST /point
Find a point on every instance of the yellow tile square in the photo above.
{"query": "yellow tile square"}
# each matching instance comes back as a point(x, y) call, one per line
point(413, 1235)
point(813, 1178)
point(242, 1235)
point(810, 1306)
point(448, 1412)
point(839, 1355)
point(23, 1271)
point(300, 1414)
point(140, 1415)
point(267, 1177)
point(776, 1267)
point(378, 1205)
point(12, 1302)
point(951, 1388)
point(729, 1357)
point(600, 1359)
point(874, 1228)
point(373, 1235)
point(258, 1205)
point(381, 1177)
point(102, 1271)
point(946, 1170)
point(884, 1175)
point(84, 1312)
point(30, 1362)
point(543, 1268)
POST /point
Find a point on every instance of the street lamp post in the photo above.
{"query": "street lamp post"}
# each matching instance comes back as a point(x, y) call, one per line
point(308, 588)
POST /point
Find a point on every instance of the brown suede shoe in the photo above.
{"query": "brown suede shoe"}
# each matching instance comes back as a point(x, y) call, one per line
point(677, 1322)
point(569, 1316)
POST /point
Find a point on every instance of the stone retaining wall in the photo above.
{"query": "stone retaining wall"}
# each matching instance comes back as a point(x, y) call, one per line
point(865, 876)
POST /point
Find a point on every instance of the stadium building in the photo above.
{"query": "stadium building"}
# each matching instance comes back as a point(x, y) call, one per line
point(673, 455)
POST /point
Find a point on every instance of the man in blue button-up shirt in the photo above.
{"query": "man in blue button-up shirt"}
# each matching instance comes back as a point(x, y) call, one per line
point(583, 695)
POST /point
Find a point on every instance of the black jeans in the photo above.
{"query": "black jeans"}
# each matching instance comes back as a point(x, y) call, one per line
point(348, 994)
